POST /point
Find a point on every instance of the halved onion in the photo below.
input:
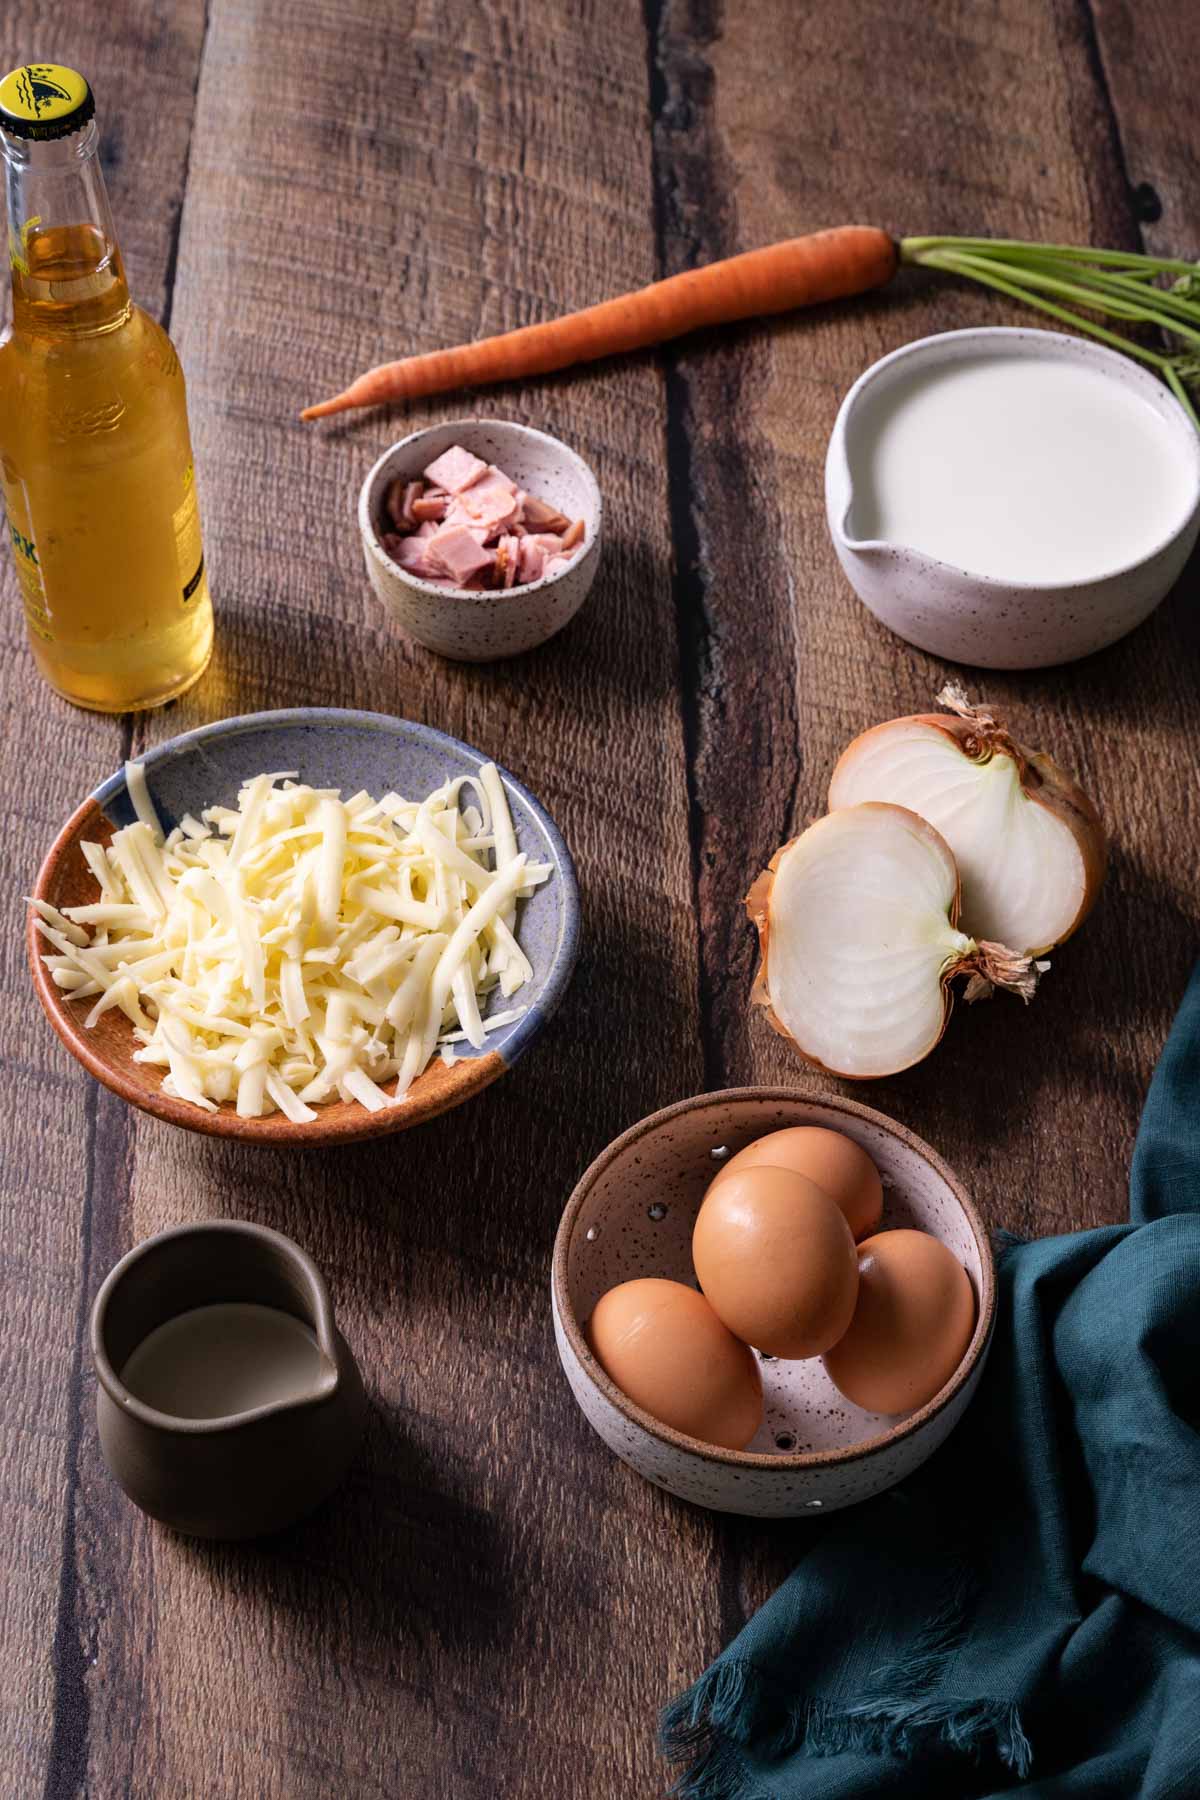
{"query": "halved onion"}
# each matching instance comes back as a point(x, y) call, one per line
point(1029, 844)
point(858, 925)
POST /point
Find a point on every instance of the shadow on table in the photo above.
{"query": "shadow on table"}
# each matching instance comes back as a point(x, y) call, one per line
point(413, 1219)
point(436, 1246)
point(393, 1557)
point(1125, 682)
point(329, 642)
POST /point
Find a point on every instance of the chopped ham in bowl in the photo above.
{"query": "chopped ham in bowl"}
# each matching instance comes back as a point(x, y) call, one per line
point(454, 470)
point(482, 537)
point(467, 525)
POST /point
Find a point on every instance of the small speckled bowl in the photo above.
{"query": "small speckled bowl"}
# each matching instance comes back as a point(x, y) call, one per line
point(632, 1215)
point(329, 747)
point(483, 627)
point(966, 615)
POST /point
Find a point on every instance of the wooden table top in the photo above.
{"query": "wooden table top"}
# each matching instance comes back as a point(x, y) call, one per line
point(494, 1605)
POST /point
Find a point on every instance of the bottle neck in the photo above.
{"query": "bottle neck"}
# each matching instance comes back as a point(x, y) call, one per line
point(67, 275)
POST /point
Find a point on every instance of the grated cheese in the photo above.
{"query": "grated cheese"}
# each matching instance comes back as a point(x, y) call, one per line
point(139, 796)
point(300, 947)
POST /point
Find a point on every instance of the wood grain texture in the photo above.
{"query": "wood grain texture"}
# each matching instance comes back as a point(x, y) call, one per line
point(493, 1606)
point(489, 1606)
point(1002, 131)
point(1148, 60)
point(786, 120)
point(64, 1139)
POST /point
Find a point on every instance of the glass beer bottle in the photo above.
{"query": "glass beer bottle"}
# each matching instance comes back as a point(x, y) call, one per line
point(95, 454)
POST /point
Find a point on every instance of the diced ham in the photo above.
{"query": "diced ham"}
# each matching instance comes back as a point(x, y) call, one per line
point(532, 559)
point(409, 552)
point(488, 502)
point(455, 469)
point(508, 552)
point(460, 518)
point(468, 525)
point(506, 480)
point(453, 551)
point(399, 502)
point(539, 515)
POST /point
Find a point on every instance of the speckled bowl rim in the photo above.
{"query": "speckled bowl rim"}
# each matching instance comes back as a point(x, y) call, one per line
point(746, 1459)
point(471, 1074)
point(1112, 363)
point(485, 598)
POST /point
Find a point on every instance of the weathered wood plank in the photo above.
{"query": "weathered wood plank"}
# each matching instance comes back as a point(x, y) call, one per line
point(1149, 61)
point(492, 1605)
point(776, 120)
point(1001, 131)
point(64, 1138)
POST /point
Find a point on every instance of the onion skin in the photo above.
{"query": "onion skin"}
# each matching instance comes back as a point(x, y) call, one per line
point(990, 965)
point(980, 735)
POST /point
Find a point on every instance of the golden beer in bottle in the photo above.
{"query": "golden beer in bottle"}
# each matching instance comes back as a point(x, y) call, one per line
point(95, 454)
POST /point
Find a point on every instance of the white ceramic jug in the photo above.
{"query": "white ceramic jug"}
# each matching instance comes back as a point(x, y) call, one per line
point(968, 616)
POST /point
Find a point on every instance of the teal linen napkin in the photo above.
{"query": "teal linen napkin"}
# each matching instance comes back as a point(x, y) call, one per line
point(1023, 1614)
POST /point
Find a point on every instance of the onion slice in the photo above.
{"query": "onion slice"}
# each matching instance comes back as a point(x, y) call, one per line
point(1030, 846)
point(858, 925)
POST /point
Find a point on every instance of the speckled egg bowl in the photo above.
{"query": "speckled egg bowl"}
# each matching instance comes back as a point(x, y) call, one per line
point(457, 622)
point(966, 615)
point(632, 1214)
point(329, 747)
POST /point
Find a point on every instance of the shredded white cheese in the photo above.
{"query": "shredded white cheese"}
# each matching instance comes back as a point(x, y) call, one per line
point(139, 794)
point(301, 947)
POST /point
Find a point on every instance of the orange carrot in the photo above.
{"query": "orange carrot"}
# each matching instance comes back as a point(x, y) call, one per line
point(803, 271)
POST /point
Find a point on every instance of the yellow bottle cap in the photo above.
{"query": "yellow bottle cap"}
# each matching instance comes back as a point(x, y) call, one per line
point(44, 100)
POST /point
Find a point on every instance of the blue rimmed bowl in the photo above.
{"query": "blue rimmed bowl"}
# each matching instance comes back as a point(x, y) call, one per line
point(330, 748)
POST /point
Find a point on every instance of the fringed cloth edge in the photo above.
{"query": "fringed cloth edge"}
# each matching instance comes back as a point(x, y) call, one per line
point(736, 1710)
point(732, 1711)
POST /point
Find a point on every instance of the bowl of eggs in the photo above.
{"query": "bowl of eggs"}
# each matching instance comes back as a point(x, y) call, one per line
point(768, 1304)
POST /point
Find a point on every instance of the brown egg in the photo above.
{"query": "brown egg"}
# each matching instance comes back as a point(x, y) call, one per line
point(831, 1159)
point(911, 1327)
point(775, 1257)
point(665, 1348)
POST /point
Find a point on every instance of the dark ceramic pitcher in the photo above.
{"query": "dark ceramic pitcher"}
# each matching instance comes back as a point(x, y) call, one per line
point(251, 1472)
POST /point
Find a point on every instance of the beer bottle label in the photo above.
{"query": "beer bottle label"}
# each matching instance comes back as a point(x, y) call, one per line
point(29, 578)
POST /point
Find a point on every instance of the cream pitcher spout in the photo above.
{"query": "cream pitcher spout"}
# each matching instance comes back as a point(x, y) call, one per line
point(228, 1403)
point(845, 475)
point(958, 507)
point(840, 498)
